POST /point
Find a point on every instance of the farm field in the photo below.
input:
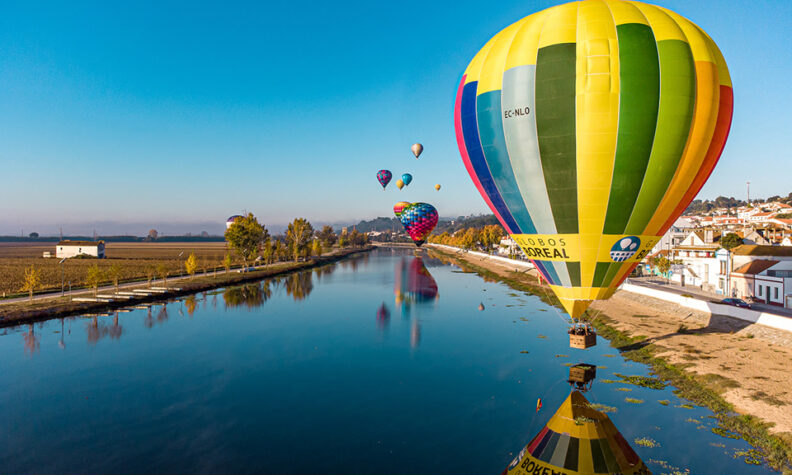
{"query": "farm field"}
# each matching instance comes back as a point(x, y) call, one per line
point(136, 261)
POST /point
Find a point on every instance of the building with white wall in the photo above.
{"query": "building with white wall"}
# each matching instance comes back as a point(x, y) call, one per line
point(75, 248)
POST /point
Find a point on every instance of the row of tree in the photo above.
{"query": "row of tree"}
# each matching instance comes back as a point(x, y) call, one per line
point(483, 238)
point(251, 240)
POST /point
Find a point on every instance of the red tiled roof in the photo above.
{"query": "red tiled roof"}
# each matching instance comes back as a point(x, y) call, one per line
point(755, 267)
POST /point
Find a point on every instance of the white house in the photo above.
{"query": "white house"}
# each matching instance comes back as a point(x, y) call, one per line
point(75, 248)
point(773, 284)
point(675, 234)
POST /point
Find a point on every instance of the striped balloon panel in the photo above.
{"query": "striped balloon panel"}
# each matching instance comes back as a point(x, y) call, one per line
point(578, 439)
point(598, 119)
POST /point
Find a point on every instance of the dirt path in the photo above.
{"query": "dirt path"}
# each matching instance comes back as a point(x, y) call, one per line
point(749, 365)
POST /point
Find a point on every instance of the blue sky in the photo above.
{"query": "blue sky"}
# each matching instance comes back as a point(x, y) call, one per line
point(186, 113)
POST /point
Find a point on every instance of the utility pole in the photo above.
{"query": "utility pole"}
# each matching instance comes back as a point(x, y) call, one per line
point(748, 184)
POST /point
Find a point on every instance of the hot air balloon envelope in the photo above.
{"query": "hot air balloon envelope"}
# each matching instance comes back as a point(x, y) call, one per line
point(417, 149)
point(407, 179)
point(577, 439)
point(398, 207)
point(399, 183)
point(384, 177)
point(588, 128)
point(437, 187)
point(419, 219)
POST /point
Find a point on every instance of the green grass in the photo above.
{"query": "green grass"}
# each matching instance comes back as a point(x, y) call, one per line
point(646, 442)
point(642, 381)
point(633, 400)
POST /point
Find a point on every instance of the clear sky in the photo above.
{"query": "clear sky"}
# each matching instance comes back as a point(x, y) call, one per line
point(190, 112)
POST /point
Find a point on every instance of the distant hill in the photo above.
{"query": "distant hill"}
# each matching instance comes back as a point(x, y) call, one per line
point(450, 225)
point(114, 238)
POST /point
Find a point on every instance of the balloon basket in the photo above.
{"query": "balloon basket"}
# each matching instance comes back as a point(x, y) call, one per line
point(582, 337)
point(581, 376)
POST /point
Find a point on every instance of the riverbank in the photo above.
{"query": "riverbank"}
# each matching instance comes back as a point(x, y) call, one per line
point(44, 309)
point(741, 371)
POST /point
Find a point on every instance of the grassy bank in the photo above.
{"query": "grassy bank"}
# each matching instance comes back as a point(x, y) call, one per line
point(28, 312)
point(703, 390)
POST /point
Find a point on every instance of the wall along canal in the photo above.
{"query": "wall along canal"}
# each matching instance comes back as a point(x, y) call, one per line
point(381, 363)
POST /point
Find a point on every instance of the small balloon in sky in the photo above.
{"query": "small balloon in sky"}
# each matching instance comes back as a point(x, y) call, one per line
point(417, 149)
point(407, 179)
point(437, 187)
point(400, 183)
point(384, 177)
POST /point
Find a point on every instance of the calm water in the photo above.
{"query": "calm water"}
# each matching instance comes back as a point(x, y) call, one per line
point(313, 374)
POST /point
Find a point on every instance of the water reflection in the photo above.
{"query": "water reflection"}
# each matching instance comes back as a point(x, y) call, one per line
point(162, 316)
point(96, 330)
point(299, 285)
point(32, 341)
point(577, 439)
point(383, 316)
point(413, 283)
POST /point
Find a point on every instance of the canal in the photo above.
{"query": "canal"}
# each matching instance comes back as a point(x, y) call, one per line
point(381, 363)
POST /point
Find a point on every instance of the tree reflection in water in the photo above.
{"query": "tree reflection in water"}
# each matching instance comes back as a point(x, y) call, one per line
point(299, 285)
point(96, 330)
point(162, 316)
point(324, 271)
point(190, 304)
point(32, 341)
point(248, 295)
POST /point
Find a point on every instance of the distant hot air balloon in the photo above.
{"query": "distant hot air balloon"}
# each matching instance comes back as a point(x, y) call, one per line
point(437, 187)
point(419, 219)
point(407, 179)
point(384, 177)
point(400, 183)
point(398, 207)
point(588, 128)
point(231, 220)
point(417, 149)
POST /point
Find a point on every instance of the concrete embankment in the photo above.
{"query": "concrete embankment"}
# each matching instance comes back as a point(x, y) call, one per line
point(14, 314)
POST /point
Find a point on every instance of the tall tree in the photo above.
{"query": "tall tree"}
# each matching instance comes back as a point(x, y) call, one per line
point(245, 236)
point(227, 262)
point(32, 281)
point(114, 273)
point(327, 236)
point(191, 264)
point(95, 277)
point(730, 241)
point(316, 247)
point(298, 237)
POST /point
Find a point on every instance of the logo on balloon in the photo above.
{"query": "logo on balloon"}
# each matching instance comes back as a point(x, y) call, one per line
point(625, 248)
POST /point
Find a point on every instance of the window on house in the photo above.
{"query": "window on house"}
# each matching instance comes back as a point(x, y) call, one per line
point(760, 291)
point(775, 293)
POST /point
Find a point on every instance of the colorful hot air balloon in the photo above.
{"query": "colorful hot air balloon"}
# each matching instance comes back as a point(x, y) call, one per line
point(398, 207)
point(577, 439)
point(384, 177)
point(407, 179)
point(399, 183)
point(437, 187)
point(419, 219)
point(417, 149)
point(588, 128)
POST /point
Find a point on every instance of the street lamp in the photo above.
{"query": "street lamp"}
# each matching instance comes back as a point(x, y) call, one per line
point(62, 275)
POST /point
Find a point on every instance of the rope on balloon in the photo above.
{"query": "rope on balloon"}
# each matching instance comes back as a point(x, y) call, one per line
point(569, 323)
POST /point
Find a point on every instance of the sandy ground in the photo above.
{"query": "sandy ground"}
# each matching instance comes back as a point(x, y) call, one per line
point(753, 362)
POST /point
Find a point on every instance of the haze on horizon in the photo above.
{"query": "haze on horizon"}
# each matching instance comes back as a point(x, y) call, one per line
point(125, 115)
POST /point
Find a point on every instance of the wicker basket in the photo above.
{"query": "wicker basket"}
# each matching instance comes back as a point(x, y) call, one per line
point(582, 373)
point(582, 342)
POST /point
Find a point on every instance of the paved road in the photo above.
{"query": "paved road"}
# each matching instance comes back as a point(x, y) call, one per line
point(660, 284)
point(111, 288)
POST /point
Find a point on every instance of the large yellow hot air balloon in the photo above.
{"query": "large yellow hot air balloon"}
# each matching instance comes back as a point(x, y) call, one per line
point(588, 128)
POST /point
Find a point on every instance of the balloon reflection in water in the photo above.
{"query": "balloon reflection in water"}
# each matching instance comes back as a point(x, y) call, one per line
point(414, 283)
point(577, 439)
point(383, 316)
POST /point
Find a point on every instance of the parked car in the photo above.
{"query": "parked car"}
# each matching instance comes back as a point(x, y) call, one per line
point(736, 302)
